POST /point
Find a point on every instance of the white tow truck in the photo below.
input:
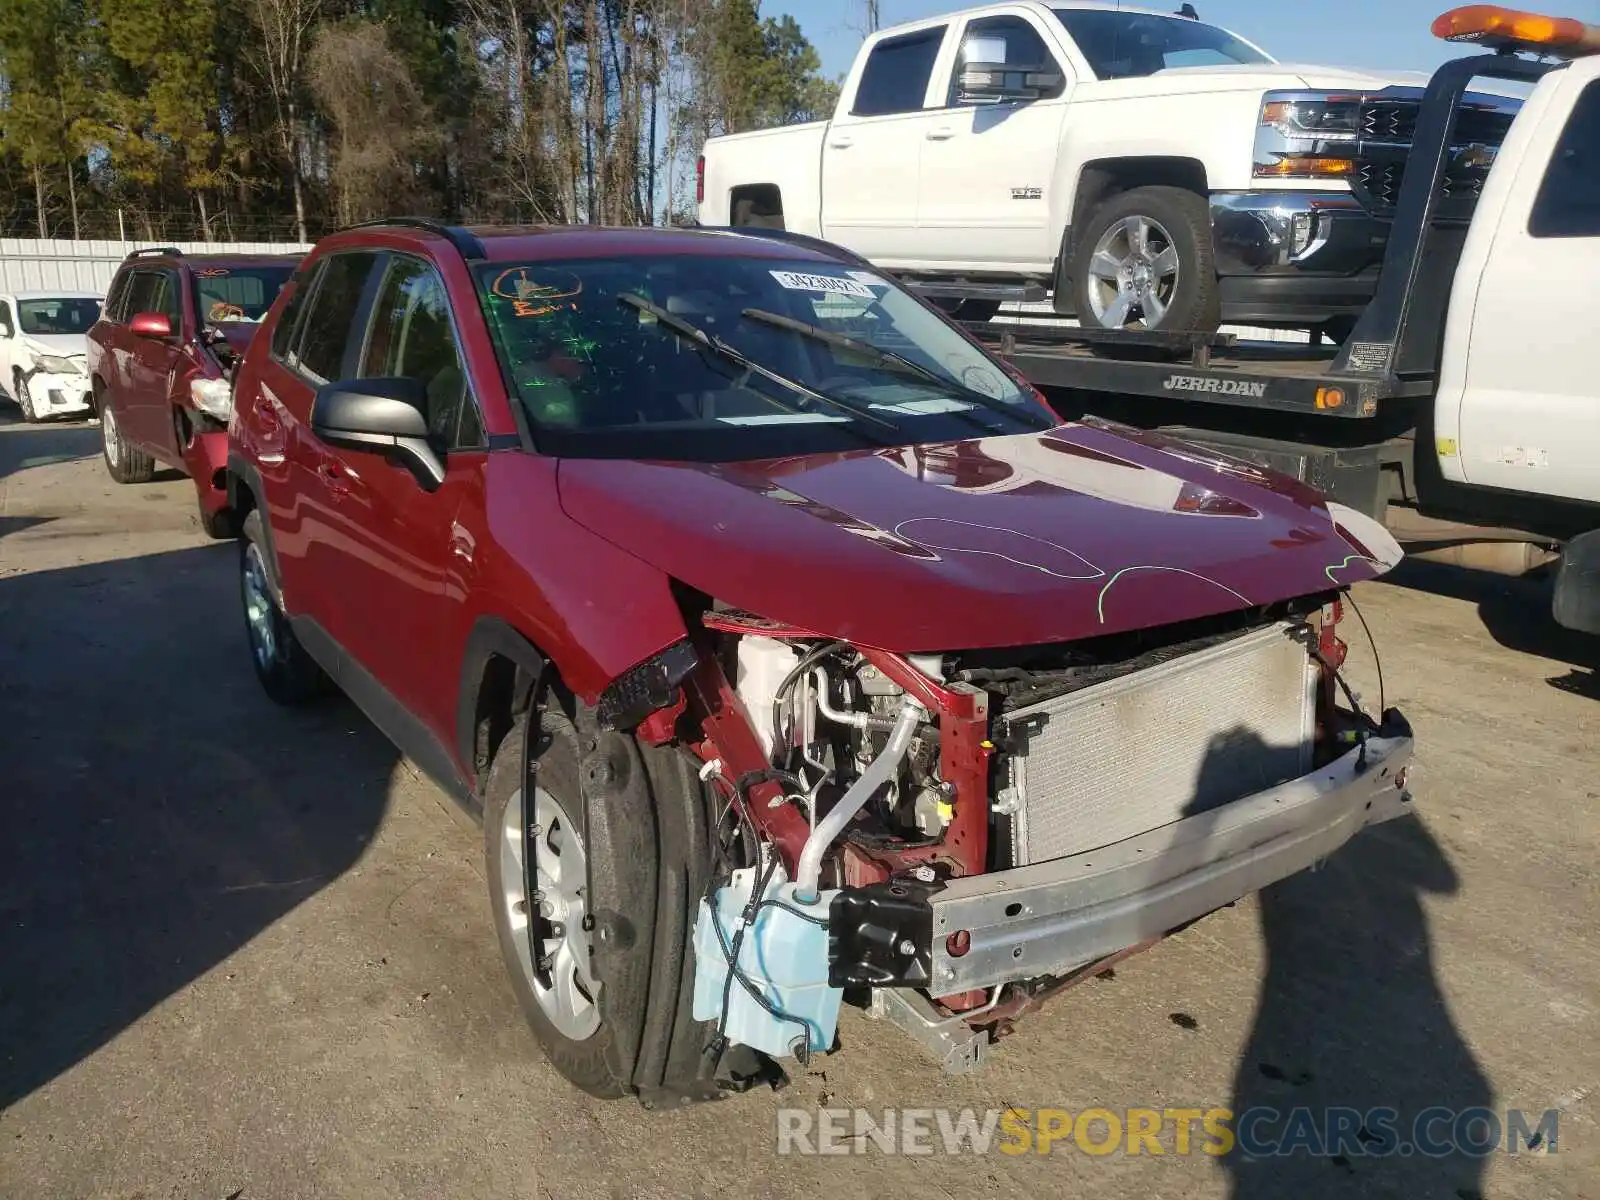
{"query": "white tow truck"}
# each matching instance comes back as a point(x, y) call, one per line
point(1146, 170)
point(1466, 386)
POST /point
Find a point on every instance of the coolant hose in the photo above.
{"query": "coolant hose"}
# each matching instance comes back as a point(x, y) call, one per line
point(809, 870)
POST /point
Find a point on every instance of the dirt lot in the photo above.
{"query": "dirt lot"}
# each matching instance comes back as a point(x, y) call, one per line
point(246, 953)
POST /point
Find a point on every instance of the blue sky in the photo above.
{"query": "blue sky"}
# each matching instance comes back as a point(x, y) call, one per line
point(1390, 34)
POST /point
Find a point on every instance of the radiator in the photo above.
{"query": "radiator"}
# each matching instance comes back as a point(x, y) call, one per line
point(1123, 757)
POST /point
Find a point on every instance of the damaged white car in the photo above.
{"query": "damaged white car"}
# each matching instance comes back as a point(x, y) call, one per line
point(42, 351)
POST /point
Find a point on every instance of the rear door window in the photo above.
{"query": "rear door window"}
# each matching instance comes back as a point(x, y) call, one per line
point(895, 79)
point(329, 320)
point(1568, 204)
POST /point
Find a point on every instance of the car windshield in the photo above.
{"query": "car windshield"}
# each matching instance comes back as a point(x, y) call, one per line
point(726, 358)
point(67, 314)
point(1126, 45)
point(225, 294)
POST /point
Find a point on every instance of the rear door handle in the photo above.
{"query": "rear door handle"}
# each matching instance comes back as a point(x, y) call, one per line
point(841, 143)
point(942, 134)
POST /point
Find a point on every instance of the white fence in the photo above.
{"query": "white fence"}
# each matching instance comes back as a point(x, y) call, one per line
point(27, 264)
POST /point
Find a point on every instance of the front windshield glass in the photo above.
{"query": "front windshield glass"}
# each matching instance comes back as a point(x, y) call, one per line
point(1126, 45)
point(68, 314)
point(606, 357)
point(238, 293)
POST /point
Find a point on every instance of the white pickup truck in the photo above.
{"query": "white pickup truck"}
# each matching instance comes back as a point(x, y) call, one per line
point(1152, 170)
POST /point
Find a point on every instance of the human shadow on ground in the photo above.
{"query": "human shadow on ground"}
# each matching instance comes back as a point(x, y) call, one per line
point(157, 811)
point(1350, 1016)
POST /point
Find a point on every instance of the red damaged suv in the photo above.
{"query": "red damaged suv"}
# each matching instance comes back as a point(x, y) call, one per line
point(160, 360)
point(786, 645)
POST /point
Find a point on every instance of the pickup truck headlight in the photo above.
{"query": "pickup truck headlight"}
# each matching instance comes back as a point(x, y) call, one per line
point(52, 364)
point(1303, 135)
point(214, 397)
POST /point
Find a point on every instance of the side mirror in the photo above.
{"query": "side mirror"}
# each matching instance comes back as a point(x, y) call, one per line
point(380, 416)
point(151, 325)
point(1005, 83)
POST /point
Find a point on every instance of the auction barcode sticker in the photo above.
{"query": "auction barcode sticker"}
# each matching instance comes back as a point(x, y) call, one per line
point(800, 282)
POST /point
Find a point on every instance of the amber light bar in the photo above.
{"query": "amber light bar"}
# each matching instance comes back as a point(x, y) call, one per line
point(1508, 29)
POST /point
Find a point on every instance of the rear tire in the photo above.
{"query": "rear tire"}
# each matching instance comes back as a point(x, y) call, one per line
point(288, 674)
point(641, 819)
point(1115, 279)
point(219, 524)
point(124, 462)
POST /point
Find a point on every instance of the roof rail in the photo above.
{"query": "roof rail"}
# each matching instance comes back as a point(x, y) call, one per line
point(463, 240)
point(154, 252)
point(788, 235)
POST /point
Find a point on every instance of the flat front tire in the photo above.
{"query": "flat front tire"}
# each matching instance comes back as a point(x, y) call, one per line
point(616, 838)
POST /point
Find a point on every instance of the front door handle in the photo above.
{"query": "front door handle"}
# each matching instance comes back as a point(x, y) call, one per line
point(942, 134)
point(334, 479)
point(841, 143)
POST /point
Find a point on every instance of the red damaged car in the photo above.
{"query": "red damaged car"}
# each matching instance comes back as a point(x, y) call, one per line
point(160, 362)
point(788, 647)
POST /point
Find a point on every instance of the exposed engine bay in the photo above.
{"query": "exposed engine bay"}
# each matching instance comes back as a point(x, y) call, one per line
point(942, 806)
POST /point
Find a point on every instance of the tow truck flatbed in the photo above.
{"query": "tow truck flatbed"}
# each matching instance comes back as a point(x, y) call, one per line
point(1214, 368)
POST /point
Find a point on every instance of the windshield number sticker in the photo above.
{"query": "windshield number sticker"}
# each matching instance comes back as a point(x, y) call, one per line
point(798, 282)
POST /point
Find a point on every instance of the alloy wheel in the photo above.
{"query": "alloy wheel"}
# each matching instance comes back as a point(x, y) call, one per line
point(553, 946)
point(1133, 271)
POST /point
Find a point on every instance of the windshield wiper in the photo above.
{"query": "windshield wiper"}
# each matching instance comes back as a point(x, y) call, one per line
point(710, 341)
point(888, 358)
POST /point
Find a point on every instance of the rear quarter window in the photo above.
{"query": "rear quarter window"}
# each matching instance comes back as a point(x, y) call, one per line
point(288, 327)
point(1568, 203)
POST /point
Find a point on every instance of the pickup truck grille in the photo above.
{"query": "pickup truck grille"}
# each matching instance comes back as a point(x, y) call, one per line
point(1395, 121)
point(1387, 130)
point(1136, 753)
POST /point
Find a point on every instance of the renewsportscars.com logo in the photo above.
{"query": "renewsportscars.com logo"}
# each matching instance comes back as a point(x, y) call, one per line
point(1260, 1132)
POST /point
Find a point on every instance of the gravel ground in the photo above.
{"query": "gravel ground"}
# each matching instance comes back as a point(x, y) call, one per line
point(245, 953)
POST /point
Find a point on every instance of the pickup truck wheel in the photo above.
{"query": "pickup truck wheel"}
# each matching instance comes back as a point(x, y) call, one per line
point(125, 462)
point(1145, 261)
point(287, 672)
point(597, 935)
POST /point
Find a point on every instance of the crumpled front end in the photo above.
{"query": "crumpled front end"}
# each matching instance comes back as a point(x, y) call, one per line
point(59, 394)
point(974, 830)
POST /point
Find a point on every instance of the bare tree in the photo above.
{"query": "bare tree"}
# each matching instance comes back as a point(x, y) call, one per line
point(383, 126)
point(285, 27)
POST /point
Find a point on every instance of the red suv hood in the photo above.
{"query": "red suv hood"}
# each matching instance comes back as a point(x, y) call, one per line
point(1002, 541)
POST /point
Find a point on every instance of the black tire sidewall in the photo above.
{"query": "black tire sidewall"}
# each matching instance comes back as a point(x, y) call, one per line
point(583, 1063)
point(1185, 216)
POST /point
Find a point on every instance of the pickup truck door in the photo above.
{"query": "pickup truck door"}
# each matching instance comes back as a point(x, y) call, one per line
point(871, 148)
point(987, 169)
point(1525, 399)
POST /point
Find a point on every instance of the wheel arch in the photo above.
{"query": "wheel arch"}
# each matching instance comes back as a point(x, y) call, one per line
point(502, 674)
point(1101, 179)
